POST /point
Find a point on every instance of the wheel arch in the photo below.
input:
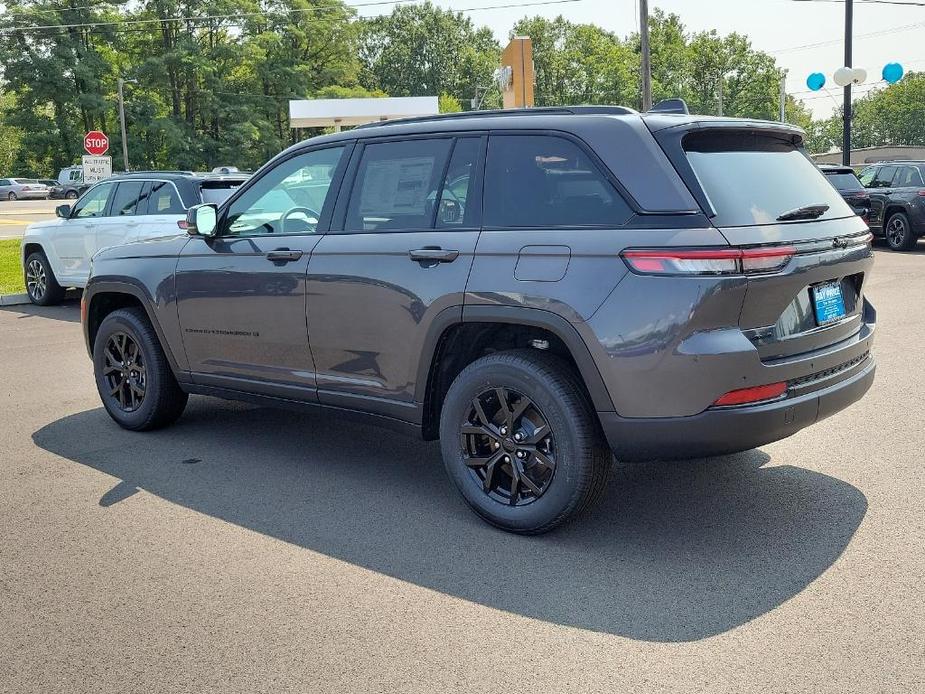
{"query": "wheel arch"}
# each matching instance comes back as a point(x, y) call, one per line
point(103, 297)
point(459, 335)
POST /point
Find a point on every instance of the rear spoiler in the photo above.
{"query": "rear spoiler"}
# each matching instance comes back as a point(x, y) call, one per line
point(670, 106)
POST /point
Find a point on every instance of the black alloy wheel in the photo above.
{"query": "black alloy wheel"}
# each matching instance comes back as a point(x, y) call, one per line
point(899, 234)
point(509, 446)
point(124, 372)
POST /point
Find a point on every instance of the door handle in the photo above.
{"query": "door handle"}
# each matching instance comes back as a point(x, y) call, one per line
point(433, 255)
point(283, 255)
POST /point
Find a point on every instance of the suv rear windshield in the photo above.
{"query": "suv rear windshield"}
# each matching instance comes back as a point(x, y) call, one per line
point(751, 178)
point(218, 191)
point(844, 181)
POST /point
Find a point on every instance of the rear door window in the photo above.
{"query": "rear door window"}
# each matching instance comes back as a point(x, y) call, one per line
point(547, 181)
point(751, 179)
point(396, 185)
point(908, 177)
point(164, 199)
point(125, 200)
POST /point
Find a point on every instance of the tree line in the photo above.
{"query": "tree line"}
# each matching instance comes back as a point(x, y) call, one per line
point(211, 79)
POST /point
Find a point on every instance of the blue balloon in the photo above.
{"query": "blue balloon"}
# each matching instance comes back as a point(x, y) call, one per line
point(816, 81)
point(892, 72)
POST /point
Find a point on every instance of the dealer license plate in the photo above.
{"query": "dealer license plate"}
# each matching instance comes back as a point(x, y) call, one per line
point(828, 302)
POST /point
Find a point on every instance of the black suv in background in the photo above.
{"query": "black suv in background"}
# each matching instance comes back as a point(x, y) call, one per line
point(897, 201)
point(538, 289)
point(850, 188)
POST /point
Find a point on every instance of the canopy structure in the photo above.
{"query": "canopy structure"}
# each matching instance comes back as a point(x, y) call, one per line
point(327, 113)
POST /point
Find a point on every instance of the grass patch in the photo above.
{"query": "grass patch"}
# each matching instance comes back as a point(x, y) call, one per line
point(11, 281)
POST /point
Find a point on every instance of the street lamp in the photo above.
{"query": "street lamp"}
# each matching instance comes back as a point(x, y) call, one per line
point(120, 83)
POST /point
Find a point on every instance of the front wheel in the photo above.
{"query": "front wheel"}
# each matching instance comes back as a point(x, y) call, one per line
point(71, 195)
point(12, 197)
point(41, 286)
point(899, 234)
point(521, 441)
point(133, 378)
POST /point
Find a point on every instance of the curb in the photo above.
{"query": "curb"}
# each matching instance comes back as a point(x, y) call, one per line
point(14, 299)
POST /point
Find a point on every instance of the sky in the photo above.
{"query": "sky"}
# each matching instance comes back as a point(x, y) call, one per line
point(790, 31)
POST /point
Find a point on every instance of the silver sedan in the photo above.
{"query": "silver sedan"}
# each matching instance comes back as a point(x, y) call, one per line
point(22, 189)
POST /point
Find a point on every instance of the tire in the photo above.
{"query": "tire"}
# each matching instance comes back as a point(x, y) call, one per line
point(71, 195)
point(41, 285)
point(121, 375)
point(898, 232)
point(12, 197)
point(575, 445)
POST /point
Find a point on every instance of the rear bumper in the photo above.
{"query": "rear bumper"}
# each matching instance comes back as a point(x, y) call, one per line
point(729, 430)
point(32, 195)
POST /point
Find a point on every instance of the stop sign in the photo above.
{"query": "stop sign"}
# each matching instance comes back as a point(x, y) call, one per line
point(96, 143)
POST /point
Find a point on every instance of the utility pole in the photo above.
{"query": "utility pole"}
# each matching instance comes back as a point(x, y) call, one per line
point(644, 47)
point(846, 129)
point(783, 96)
point(719, 107)
point(121, 82)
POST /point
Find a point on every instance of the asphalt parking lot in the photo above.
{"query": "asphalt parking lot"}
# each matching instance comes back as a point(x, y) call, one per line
point(16, 216)
point(248, 549)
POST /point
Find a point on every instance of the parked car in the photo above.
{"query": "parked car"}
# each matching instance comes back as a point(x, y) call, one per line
point(70, 184)
point(22, 189)
point(130, 207)
point(539, 289)
point(850, 188)
point(48, 182)
point(897, 202)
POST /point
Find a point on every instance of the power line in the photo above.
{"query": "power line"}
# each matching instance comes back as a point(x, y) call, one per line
point(870, 2)
point(882, 32)
point(241, 15)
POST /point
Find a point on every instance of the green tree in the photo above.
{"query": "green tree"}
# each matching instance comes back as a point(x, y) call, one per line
point(423, 50)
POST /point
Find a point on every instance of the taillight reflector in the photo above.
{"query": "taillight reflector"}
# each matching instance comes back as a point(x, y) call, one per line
point(754, 394)
point(183, 224)
point(720, 261)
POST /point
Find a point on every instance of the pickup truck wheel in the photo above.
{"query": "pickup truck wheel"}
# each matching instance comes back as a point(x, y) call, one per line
point(133, 378)
point(521, 441)
point(41, 286)
point(71, 195)
point(899, 234)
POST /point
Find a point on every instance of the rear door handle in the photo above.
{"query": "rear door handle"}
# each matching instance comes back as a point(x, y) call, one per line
point(433, 255)
point(283, 255)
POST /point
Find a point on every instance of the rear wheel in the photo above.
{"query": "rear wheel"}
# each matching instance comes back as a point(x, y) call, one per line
point(41, 286)
point(133, 378)
point(899, 234)
point(521, 441)
point(71, 195)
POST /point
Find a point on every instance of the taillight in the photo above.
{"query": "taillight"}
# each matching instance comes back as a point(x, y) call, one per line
point(921, 193)
point(746, 396)
point(720, 261)
point(860, 194)
point(183, 224)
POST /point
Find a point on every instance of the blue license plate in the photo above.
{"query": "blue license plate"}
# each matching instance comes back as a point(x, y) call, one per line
point(828, 302)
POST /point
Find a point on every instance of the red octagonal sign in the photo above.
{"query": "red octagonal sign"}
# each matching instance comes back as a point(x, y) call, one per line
point(96, 143)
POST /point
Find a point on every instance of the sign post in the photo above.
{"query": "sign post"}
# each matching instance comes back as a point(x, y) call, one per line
point(96, 167)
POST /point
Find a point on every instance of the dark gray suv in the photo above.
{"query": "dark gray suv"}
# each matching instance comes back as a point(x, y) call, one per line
point(537, 289)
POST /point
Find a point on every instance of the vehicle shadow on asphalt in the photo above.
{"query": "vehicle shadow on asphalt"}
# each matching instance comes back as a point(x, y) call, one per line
point(68, 310)
point(675, 552)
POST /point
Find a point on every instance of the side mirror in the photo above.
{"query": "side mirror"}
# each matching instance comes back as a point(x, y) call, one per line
point(63, 211)
point(202, 220)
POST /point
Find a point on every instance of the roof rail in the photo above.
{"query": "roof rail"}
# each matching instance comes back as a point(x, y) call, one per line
point(154, 171)
point(492, 113)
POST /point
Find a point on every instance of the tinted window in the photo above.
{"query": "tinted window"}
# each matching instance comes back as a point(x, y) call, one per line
point(866, 176)
point(908, 177)
point(125, 199)
point(752, 179)
point(396, 185)
point(93, 203)
point(542, 181)
point(884, 177)
point(844, 181)
point(217, 192)
point(457, 191)
point(289, 199)
point(164, 199)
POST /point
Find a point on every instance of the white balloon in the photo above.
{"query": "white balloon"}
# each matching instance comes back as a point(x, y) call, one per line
point(858, 75)
point(843, 76)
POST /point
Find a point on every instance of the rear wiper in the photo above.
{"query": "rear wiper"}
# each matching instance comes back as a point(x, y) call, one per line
point(805, 212)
